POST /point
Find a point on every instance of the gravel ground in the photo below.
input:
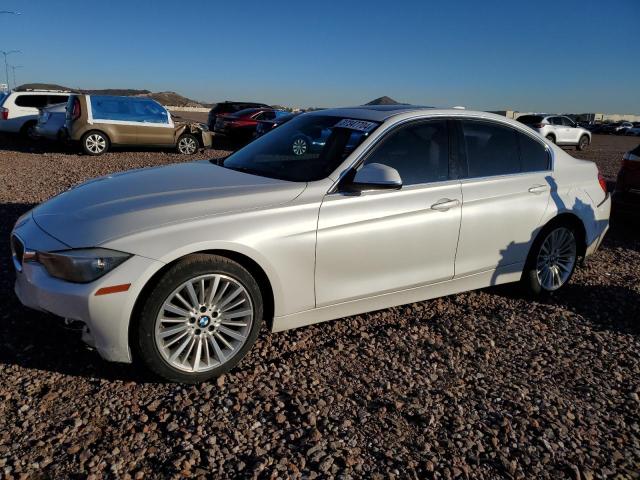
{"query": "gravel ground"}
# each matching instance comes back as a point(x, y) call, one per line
point(483, 384)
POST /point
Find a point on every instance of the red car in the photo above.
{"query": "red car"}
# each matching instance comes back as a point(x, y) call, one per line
point(242, 124)
point(626, 196)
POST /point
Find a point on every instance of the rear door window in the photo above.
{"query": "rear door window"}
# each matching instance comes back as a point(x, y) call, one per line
point(33, 101)
point(491, 149)
point(534, 157)
point(111, 108)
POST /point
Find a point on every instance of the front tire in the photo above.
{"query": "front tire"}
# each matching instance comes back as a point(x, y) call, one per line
point(552, 260)
point(551, 138)
point(199, 320)
point(583, 143)
point(94, 143)
point(187, 144)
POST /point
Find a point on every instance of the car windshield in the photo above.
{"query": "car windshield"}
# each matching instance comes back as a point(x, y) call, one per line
point(304, 149)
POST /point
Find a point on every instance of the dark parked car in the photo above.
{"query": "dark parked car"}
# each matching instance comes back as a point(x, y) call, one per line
point(241, 125)
point(595, 127)
point(226, 108)
point(617, 128)
point(626, 196)
point(265, 126)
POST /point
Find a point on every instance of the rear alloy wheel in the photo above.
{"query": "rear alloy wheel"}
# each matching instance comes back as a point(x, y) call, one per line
point(583, 143)
point(187, 144)
point(552, 260)
point(200, 320)
point(299, 146)
point(95, 143)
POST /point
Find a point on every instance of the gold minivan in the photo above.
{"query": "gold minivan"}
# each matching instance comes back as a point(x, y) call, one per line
point(98, 122)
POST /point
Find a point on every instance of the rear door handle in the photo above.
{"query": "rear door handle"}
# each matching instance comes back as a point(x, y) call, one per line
point(445, 204)
point(537, 189)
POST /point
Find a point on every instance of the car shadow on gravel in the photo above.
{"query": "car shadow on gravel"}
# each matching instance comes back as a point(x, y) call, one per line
point(15, 143)
point(39, 340)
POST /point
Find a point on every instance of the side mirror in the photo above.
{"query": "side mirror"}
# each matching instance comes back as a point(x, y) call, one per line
point(376, 176)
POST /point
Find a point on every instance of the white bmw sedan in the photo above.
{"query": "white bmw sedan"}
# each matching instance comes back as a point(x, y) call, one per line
point(335, 213)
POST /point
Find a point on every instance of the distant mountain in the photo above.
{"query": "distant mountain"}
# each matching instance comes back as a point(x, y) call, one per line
point(165, 98)
point(384, 101)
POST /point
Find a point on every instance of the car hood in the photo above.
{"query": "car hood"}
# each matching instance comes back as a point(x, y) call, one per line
point(116, 205)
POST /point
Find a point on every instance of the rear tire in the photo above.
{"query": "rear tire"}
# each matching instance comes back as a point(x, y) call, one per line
point(95, 143)
point(552, 260)
point(199, 320)
point(27, 132)
point(583, 143)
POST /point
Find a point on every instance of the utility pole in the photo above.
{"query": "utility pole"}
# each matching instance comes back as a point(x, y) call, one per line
point(6, 65)
point(6, 68)
point(13, 67)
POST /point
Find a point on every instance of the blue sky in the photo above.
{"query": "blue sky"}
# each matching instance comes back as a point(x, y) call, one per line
point(565, 56)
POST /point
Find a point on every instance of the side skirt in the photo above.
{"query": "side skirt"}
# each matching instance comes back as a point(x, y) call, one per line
point(507, 274)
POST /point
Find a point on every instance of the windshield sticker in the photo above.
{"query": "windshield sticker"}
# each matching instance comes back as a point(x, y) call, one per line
point(359, 125)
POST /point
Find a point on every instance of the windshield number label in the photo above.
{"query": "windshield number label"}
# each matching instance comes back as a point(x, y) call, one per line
point(359, 125)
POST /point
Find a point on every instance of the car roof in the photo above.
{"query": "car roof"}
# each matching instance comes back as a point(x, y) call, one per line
point(374, 113)
point(39, 92)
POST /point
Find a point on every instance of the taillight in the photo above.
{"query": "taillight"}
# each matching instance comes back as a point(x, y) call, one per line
point(75, 113)
point(538, 125)
point(602, 182)
point(4, 113)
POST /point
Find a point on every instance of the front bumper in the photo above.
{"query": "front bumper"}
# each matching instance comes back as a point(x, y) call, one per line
point(41, 131)
point(105, 316)
point(207, 139)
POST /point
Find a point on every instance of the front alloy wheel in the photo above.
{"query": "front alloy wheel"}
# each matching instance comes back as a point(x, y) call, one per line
point(199, 320)
point(204, 322)
point(556, 259)
point(187, 145)
point(583, 143)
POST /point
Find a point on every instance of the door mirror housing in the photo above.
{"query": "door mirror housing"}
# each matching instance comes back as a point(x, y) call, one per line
point(376, 176)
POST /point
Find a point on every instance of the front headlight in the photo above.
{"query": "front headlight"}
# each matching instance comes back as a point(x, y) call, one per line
point(81, 265)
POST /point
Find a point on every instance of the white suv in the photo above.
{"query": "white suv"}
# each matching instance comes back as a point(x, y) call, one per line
point(19, 109)
point(558, 129)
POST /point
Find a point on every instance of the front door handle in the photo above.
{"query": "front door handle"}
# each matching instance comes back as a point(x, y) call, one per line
point(537, 189)
point(445, 204)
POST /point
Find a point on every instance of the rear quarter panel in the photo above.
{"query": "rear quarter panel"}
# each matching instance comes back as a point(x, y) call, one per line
point(575, 189)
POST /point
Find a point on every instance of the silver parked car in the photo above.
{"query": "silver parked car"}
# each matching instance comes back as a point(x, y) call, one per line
point(179, 266)
point(51, 122)
point(558, 129)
